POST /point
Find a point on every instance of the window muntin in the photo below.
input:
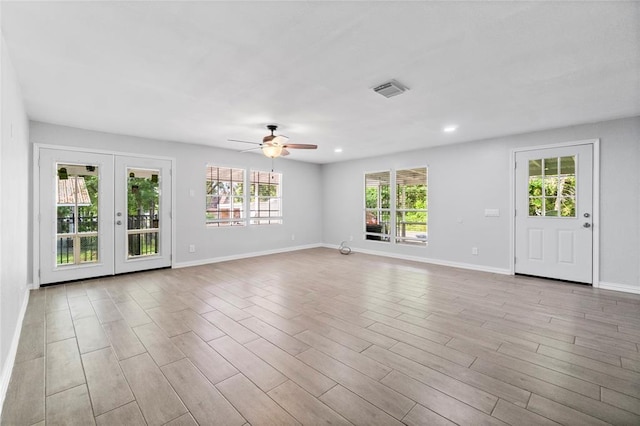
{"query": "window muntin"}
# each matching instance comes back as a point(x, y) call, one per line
point(411, 206)
point(552, 187)
point(225, 198)
point(266, 197)
point(378, 206)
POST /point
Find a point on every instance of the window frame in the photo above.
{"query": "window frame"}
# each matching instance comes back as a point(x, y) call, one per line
point(378, 211)
point(389, 235)
point(415, 241)
point(231, 220)
point(251, 184)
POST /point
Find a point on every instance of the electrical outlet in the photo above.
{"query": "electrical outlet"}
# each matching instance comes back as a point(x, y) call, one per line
point(474, 251)
point(192, 248)
point(293, 237)
point(350, 237)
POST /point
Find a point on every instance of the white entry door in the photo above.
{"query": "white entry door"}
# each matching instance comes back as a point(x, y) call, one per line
point(101, 214)
point(554, 208)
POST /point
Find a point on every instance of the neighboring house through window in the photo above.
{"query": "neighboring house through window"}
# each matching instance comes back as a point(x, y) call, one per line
point(225, 199)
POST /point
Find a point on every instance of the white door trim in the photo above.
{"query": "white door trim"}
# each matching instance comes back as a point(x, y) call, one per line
point(596, 201)
point(35, 197)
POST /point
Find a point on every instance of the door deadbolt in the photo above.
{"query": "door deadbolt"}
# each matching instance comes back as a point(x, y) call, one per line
point(587, 215)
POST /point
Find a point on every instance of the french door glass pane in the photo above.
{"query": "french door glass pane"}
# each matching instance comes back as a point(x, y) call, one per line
point(143, 212)
point(76, 214)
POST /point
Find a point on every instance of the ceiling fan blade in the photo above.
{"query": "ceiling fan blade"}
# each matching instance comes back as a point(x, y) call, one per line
point(235, 140)
point(300, 146)
point(251, 149)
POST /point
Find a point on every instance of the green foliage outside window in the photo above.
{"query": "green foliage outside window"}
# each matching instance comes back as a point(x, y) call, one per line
point(144, 199)
point(413, 197)
point(557, 195)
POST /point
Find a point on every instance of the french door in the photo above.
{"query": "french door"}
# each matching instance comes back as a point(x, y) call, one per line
point(102, 214)
point(554, 213)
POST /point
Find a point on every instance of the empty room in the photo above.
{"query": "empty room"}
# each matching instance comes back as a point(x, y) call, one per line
point(319, 212)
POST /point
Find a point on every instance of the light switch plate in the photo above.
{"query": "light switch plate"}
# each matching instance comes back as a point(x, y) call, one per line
point(492, 212)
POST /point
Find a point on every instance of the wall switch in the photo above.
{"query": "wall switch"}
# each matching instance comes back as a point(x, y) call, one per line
point(474, 251)
point(192, 193)
point(293, 237)
point(492, 212)
point(350, 237)
point(192, 248)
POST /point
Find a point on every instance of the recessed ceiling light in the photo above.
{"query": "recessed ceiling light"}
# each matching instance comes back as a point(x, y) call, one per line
point(337, 150)
point(449, 129)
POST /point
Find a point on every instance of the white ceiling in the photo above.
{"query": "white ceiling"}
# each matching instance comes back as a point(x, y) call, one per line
point(203, 72)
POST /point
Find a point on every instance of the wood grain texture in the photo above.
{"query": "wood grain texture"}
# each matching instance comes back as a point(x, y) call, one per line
point(313, 337)
point(202, 399)
point(107, 386)
point(253, 404)
point(155, 396)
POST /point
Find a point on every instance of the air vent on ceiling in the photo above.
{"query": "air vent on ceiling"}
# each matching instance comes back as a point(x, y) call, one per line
point(390, 88)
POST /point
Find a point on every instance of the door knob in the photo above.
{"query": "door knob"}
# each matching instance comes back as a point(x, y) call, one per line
point(587, 225)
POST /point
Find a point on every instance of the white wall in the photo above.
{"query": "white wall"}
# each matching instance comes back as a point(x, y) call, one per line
point(464, 179)
point(301, 193)
point(15, 176)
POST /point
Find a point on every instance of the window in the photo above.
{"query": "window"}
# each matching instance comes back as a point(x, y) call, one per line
point(377, 205)
point(552, 187)
point(266, 197)
point(225, 197)
point(411, 206)
point(398, 197)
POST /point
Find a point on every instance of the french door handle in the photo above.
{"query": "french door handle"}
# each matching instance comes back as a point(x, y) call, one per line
point(587, 225)
point(118, 222)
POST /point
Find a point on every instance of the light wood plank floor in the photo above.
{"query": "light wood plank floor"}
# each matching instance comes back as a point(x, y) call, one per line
point(314, 337)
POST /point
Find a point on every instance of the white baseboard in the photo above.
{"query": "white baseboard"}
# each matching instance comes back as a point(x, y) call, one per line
point(242, 256)
point(440, 262)
point(619, 287)
point(13, 349)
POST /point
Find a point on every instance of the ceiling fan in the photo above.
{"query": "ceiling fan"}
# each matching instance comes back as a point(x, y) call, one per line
point(274, 146)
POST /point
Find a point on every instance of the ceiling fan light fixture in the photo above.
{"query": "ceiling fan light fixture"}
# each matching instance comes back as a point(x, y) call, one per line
point(272, 151)
point(279, 140)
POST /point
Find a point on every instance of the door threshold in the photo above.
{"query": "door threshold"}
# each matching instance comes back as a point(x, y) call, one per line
point(102, 276)
point(517, 274)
